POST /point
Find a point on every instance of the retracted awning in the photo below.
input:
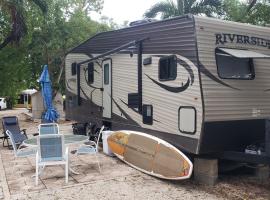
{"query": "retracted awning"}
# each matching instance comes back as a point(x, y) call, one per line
point(129, 45)
point(240, 53)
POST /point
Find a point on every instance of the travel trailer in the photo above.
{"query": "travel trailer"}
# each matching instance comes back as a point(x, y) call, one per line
point(201, 84)
point(24, 98)
point(3, 103)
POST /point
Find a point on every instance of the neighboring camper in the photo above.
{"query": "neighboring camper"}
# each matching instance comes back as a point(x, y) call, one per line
point(3, 103)
point(24, 98)
point(201, 84)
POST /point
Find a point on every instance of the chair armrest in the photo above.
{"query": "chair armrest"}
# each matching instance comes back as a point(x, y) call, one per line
point(37, 159)
point(21, 146)
point(90, 143)
point(93, 145)
point(35, 134)
point(3, 137)
point(23, 131)
point(66, 153)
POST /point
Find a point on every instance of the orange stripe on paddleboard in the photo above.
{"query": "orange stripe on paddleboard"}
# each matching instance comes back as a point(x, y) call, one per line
point(117, 142)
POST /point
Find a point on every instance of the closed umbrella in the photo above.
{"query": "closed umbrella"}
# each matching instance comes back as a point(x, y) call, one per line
point(51, 114)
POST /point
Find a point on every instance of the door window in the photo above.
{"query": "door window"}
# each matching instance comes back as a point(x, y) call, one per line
point(106, 74)
point(91, 73)
point(73, 69)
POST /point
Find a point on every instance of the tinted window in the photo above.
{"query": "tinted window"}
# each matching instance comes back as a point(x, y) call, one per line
point(167, 68)
point(91, 73)
point(230, 67)
point(73, 69)
point(106, 74)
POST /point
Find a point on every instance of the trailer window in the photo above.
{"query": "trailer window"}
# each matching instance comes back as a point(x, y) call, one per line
point(106, 74)
point(167, 68)
point(73, 69)
point(91, 73)
point(230, 67)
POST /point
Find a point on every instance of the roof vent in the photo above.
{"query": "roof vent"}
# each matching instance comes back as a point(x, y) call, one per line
point(142, 21)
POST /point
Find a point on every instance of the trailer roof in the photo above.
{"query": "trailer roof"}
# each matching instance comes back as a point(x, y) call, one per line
point(105, 41)
point(165, 36)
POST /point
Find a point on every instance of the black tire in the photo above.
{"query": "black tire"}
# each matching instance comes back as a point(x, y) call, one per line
point(0, 108)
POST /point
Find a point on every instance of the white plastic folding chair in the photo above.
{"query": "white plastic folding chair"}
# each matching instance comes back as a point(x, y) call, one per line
point(49, 128)
point(91, 148)
point(51, 151)
point(18, 152)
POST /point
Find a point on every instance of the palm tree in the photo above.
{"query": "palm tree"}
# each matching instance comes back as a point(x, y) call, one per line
point(15, 10)
point(251, 5)
point(169, 8)
point(246, 12)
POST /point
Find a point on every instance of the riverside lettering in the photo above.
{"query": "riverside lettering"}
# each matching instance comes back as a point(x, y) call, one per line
point(223, 38)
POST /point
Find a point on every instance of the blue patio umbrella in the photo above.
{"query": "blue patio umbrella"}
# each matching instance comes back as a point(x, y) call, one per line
point(51, 114)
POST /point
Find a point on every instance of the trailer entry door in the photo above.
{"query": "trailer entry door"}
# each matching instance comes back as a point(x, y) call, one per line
point(107, 88)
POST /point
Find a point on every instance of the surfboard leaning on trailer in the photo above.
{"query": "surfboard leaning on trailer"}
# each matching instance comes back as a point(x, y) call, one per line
point(150, 155)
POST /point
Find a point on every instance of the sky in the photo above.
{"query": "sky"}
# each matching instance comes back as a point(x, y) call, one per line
point(124, 10)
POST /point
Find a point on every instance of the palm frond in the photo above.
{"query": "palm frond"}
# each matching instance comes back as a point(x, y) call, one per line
point(170, 9)
point(207, 7)
point(161, 7)
point(42, 5)
point(251, 5)
point(188, 5)
point(180, 6)
point(167, 9)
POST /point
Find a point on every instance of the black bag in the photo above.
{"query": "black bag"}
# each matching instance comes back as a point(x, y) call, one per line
point(79, 128)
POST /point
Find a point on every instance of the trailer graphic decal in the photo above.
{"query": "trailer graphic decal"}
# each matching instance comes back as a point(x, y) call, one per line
point(124, 113)
point(134, 110)
point(207, 73)
point(184, 64)
point(170, 88)
point(68, 82)
point(187, 67)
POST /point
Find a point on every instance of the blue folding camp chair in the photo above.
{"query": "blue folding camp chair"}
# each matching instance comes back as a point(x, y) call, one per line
point(12, 125)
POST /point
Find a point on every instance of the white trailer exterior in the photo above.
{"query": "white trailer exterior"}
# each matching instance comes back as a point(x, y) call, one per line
point(199, 83)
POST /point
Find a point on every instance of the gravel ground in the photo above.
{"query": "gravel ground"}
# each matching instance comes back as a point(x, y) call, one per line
point(238, 185)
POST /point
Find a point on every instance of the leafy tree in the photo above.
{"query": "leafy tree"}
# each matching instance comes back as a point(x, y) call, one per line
point(16, 10)
point(13, 71)
point(85, 6)
point(48, 40)
point(169, 8)
point(254, 12)
point(53, 37)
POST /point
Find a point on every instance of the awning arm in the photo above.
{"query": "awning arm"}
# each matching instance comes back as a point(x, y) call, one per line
point(124, 46)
